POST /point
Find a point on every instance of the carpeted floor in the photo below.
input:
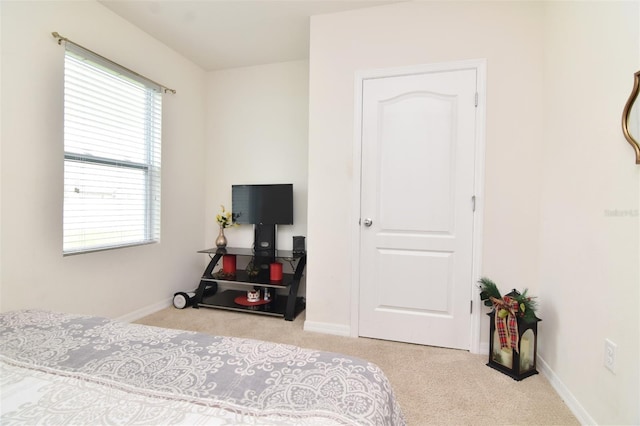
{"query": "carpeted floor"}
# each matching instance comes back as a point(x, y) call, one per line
point(434, 386)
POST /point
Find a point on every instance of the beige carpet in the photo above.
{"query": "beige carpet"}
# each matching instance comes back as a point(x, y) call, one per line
point(434, 386)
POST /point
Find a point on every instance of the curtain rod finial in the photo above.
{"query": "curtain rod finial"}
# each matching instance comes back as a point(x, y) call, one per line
point(58, 36)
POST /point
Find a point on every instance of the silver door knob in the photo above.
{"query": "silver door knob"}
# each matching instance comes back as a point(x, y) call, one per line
point(367, 222)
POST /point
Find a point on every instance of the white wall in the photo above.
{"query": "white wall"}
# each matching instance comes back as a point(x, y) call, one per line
point(589, 254)
point(111, 283)
point(559, 75)
point(257, 132)
point(508, 35)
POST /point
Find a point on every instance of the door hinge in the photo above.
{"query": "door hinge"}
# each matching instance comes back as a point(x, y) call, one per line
point(470, 306)
point(476, 99)
point(473, 203)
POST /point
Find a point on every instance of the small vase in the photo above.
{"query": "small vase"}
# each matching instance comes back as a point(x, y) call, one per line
point(221, 241)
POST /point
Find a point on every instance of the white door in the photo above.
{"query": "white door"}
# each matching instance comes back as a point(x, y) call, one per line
point(417, 188)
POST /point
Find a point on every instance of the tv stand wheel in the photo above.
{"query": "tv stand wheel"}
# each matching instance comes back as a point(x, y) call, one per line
point(181, 300)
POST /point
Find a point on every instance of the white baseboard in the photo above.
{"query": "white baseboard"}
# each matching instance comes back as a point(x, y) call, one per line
point(147, 310)
point(327, 328)
point(576, 408)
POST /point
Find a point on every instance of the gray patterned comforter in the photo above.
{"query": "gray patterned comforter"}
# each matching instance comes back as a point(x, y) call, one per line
point(72, 369)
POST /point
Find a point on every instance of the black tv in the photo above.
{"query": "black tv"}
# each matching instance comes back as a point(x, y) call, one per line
point(265, 207)
point(270, 204)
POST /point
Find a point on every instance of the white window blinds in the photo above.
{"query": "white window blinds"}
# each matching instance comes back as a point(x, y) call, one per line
point(112, 133)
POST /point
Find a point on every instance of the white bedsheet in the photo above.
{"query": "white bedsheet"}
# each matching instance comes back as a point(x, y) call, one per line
point(82, 370)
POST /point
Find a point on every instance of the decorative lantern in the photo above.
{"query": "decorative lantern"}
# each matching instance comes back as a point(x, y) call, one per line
point(514, 356)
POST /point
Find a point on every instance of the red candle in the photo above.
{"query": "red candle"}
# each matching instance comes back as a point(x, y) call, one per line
point(275, 271)
point(229, 263)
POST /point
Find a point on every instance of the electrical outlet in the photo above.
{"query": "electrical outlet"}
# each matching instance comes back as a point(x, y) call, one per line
point(610, 350)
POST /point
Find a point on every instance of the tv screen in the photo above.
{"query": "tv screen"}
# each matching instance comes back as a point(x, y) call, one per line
point(263, 204)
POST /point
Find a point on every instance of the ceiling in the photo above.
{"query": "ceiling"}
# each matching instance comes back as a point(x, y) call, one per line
point(217, 34)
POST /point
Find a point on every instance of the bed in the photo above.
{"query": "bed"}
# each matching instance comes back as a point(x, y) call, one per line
point(61, 368)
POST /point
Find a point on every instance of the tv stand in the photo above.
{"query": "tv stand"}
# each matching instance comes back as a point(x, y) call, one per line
point(287, 305)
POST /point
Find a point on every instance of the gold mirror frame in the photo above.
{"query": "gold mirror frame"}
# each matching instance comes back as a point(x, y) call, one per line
point(625, 116)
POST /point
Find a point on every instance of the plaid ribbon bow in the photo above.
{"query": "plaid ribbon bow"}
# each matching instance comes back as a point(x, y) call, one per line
point(508, 326)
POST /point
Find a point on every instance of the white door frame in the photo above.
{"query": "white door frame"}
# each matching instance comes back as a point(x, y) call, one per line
point(480, 65)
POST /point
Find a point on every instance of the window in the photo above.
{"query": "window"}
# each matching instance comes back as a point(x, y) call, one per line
point(112, 126)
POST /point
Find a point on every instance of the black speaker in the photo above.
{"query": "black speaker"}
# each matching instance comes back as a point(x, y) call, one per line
point(298, 244)
point(265, 237)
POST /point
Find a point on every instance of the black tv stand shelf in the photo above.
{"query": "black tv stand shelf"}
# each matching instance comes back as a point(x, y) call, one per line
point(226, 300)
point(287, 305)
